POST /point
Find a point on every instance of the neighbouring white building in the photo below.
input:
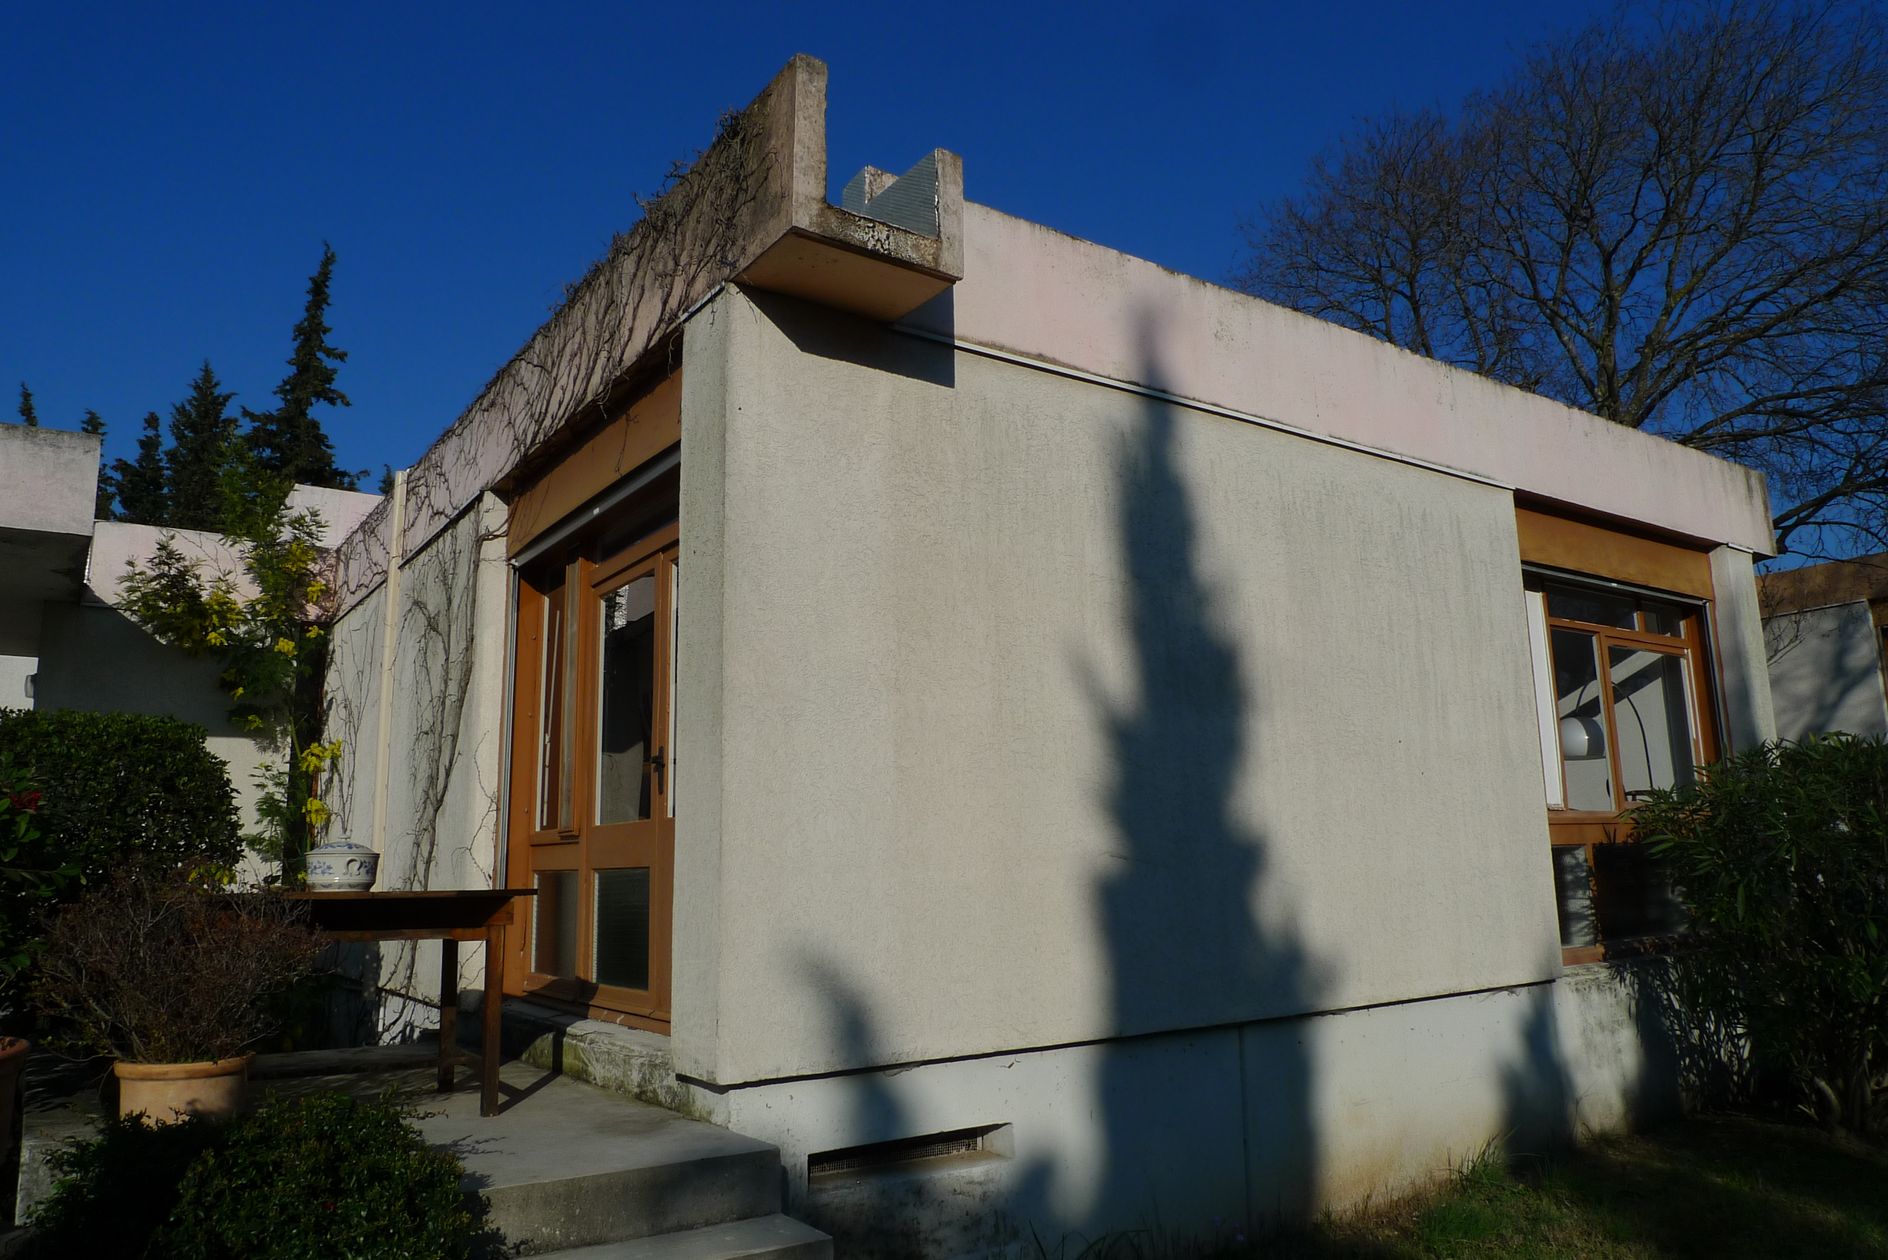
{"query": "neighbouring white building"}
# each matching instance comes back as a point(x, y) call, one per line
point(1823, 633)
point(1086, 744)
point(64, 644)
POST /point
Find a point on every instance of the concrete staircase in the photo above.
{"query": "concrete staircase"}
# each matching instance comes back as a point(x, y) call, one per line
point(566, 1169)
point(573, 1171)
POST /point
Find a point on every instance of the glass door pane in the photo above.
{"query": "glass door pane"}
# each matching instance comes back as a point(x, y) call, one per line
point(622, 956)
point(554, 737)
point(626, 704)
point(554, 923)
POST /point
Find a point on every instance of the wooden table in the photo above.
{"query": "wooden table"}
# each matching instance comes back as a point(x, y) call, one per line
point(446, 916)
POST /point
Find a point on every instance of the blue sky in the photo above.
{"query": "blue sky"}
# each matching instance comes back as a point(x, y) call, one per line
point(170, 172)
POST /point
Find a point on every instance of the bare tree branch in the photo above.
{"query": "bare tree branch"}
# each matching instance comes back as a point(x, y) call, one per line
point(1682, 229)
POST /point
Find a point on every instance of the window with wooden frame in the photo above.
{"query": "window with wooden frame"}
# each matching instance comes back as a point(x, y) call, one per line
point(1625, 689)
point(591, 826)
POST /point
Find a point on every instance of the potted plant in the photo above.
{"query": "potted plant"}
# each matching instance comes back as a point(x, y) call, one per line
point(174, 979)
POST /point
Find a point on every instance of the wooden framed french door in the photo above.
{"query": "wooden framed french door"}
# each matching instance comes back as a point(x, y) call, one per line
point(591, 825)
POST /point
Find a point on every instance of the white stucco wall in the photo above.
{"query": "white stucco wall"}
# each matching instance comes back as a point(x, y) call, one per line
point(48, 480)
point(1017, 711)
point(1749, 714)
point(15, 673)
point(440, 753)
point(1825, 671)
point(1037, 292)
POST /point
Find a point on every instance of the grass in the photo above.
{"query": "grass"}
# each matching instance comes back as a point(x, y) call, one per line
point(1710, 1186)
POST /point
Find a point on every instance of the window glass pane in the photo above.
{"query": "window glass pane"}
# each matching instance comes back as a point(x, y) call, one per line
point(1663, 618)
point(554, 730)
point(1634, 897)
point(1599, 607)
point(622, 956)
point(1579, 722)
point(626, 710)
point(554, 924)
point(1573, 885)
point(1650, 719)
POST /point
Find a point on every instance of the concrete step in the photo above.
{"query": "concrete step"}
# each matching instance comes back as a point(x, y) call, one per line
point(567, 1165)
point(762, 1238)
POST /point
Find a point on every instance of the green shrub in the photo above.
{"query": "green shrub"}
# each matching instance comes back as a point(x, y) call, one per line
point(321, 1176)
point(31, 878)
point(124, 788)
point(112, 1193)
point(1781, 857)
point(299, 1179)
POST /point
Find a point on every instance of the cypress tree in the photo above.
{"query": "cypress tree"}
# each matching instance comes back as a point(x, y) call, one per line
point(140, 483)
point(94, 424)
point(28, 416)
point(202, 434)
point(289, 440)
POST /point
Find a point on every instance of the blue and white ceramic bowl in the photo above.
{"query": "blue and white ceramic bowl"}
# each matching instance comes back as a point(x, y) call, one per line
point(342, 866)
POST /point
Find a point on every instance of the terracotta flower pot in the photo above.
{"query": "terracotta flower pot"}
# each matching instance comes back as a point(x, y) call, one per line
point(166, 1092)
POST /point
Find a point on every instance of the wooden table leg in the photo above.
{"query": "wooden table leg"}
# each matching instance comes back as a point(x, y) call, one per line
point(448, 1011)
point(492, 1011)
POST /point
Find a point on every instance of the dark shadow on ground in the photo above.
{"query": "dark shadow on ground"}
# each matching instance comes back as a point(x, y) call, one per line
point(1733, 1186)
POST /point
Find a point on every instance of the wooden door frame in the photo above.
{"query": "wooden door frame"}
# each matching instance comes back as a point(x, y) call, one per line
point(531, 847)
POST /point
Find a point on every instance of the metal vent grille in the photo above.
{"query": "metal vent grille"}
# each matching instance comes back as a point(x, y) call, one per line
point(899, 1154)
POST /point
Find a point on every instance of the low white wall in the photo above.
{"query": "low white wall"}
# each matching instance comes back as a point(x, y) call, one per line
point(15, 671)
point(1239, 1125)
point(1825, 671)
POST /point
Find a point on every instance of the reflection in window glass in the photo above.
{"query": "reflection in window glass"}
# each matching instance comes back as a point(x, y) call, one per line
point(554, 735)
point(626, 711)
point(623, 928)
point(554, 924)
point(1573, 886)
point(1597, 607)
point(1583, 761)
point(1650, 719)
point(1662, 618)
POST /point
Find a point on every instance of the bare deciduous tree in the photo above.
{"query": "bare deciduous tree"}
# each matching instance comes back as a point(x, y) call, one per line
point(1680, 226)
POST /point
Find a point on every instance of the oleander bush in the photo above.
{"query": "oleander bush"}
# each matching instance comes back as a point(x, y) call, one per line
point(1781, 858)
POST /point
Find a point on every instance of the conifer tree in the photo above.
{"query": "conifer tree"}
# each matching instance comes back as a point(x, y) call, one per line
point(202, 437)
point(140, 482)
point(94, 424)
point(289, 440)
point(28, 416)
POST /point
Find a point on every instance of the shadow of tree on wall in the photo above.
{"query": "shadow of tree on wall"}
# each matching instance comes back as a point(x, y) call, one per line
point(1179, 910)
point(1194, 1114)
